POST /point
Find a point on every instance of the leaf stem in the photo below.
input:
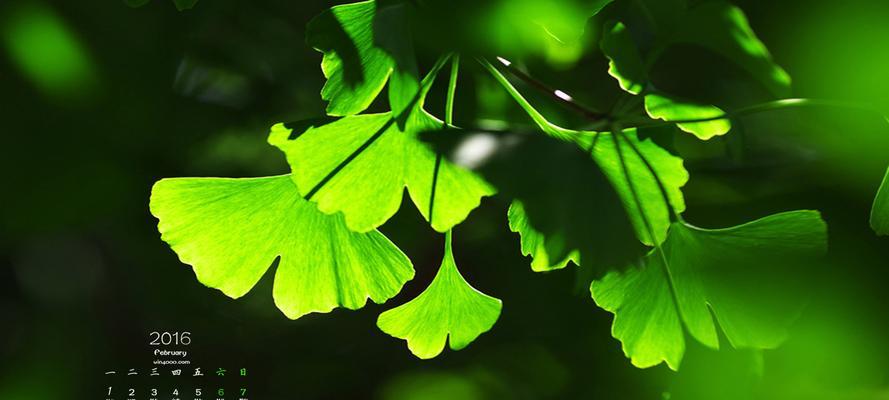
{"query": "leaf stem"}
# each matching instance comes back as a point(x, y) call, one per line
point(616, 134)
point(427, 81)
point(538, 118)
point(626, 171)
point(425, 85)
point(452, 90)
point(654, 174)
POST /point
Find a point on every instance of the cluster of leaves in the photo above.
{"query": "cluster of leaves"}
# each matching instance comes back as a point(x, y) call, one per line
point(617, 210)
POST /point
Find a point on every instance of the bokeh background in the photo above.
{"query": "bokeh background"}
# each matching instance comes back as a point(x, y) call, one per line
point(100, 100)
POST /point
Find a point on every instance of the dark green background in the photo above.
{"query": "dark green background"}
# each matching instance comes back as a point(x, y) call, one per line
point(85, 275)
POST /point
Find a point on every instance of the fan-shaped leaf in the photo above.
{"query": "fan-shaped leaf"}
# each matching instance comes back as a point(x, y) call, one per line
point(448, 308)
point(741, 274)
point(359, 165)
point(232, 230)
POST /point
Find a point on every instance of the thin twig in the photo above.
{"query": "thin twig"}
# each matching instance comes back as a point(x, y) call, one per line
point(559, 96)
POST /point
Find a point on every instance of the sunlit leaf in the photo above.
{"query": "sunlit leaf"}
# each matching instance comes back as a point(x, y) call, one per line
point(359, 165)
point(363, 44)
point(879, 215)
point(232, 230)
point(742, 274)
point(664, 108)
point(448, 310)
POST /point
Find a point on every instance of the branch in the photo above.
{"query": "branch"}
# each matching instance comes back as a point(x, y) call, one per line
point(558, 95)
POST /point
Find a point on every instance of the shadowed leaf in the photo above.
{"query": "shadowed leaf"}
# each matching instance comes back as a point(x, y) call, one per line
point(624, 61)
point(723, 28)
point(363, 44)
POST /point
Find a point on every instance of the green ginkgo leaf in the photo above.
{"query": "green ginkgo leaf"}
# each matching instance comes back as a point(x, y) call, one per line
point(744, 275)
point(624, 61)
point(563, 207)
point(715, 25)
point(622, 165)
point(664, 108)
point(586, 221)
point(723, 28)
point(879, 215)
point(626, 65)
point(618, 156)
point(363, 44)
point(232, 230)
point(448, 310)
point(359, 165)
point(537, 245)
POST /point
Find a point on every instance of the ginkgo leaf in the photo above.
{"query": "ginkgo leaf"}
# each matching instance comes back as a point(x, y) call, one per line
point(363, 44)
point(448, 310)
point(564, 208)
point(359, 165)
point(664, 108)
point(879, 215)
point(626, 65)
point(715, 25)
point(633, 175)
point(535, 244)
point(742, 274)
point(232, 230)
point(723, 28)
point(624, 61)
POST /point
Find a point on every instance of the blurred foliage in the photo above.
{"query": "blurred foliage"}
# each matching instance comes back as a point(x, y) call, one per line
point(101, 100)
